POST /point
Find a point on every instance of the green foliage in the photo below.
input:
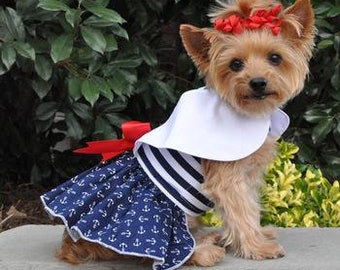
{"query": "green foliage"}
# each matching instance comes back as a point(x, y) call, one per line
point(298, 195)
point(315, 113)
point(64, 51)
point(79, 71)
point(294, 195)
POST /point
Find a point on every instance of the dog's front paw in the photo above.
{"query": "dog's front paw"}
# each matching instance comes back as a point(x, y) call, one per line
point(206, 255)
point(207, 252)
point(266, 250)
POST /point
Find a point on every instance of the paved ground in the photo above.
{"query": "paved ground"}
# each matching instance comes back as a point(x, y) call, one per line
point(31, 247)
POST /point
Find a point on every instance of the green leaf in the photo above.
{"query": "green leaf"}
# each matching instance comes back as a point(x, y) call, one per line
point(316, 115)
point(8, 55)
point(102, 12)
point(43, 67)
point(61, 47)
point(116, 119)
point(322, 129)
point(94, 38)
point(41, 87)
point(119, 31)
point(74, 87)
point(2, 69)
point(335, 80)
point(336, 132)
point(111, 43)
point(14, 24)
point(103, 87)
point(72, 15)
point(52, 5)
point(95, 21)
point(24, 49)
point(83, 111)
point(74, 129)
point(323, 44)
point(322, 8)
point(89, 91)
point(162, 92)
point(103, 127)
point(131, 62)
point(334, 11)
point(46, 110)
point(148, 55)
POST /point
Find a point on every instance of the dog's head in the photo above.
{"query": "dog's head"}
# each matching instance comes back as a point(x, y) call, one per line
point(256, 56)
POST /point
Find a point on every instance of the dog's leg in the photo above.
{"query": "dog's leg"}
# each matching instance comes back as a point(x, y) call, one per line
point(83, 251)
point(208, 250)
point(234, 188)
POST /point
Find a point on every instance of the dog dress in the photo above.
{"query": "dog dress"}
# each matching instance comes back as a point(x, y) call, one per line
point(136, 203)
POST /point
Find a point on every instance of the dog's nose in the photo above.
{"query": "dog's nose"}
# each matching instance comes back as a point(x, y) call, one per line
point(258, 84)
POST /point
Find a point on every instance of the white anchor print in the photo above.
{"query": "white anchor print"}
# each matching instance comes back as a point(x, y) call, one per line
point(121, 207)
point(63, 200)
point(176, 251)
point(175, 261)
point(154, 229)
point(81, 183)
point(149, 251)
point(163, 250)
point(93, 186)
point(137, 243)
point(84, 194)
point(118, 194)
point(143, 219)
point(100, 233)
point(127, 233)
point(112, 239)
point(157, 218)
point(176, 240)
point(96, 223)
point(152, 241)
point(115, 218)
point(141, 230)
point(186, 237)
point(128, 222)
point(110, 202)
point(103, 212)
point(111, 171)
point(101, 177)
point(131, 212)
point(146, 209)
point(72, 212)
point(100, 194)
point(123, 246)
point(80, 202)
point(107, 185)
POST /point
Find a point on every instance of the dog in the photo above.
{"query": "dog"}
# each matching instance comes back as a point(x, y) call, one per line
point(254, 60)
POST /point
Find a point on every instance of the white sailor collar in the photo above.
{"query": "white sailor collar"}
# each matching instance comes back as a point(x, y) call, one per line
point(203, 125)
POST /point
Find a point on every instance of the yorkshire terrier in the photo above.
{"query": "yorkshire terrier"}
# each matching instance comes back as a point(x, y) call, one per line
point(254, 60)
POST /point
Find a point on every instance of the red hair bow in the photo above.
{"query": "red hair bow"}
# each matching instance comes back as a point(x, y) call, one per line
point(261, 18)
point(132, 131)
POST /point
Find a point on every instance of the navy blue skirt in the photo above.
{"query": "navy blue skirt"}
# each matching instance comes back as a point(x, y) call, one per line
point(116, 205)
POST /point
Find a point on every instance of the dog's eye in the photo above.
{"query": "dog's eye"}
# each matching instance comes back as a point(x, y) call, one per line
point(236, 65)
point(275, 59)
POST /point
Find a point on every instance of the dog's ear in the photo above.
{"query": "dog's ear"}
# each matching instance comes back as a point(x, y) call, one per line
point(197, 43)
point(298, 24)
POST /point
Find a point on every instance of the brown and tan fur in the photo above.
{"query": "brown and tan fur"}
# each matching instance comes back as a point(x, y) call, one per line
point(233, 186)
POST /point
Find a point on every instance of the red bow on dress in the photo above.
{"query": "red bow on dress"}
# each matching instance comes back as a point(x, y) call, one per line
point(132, 131)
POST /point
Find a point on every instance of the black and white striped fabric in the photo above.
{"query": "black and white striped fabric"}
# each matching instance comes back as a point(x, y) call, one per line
point(177, 175)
